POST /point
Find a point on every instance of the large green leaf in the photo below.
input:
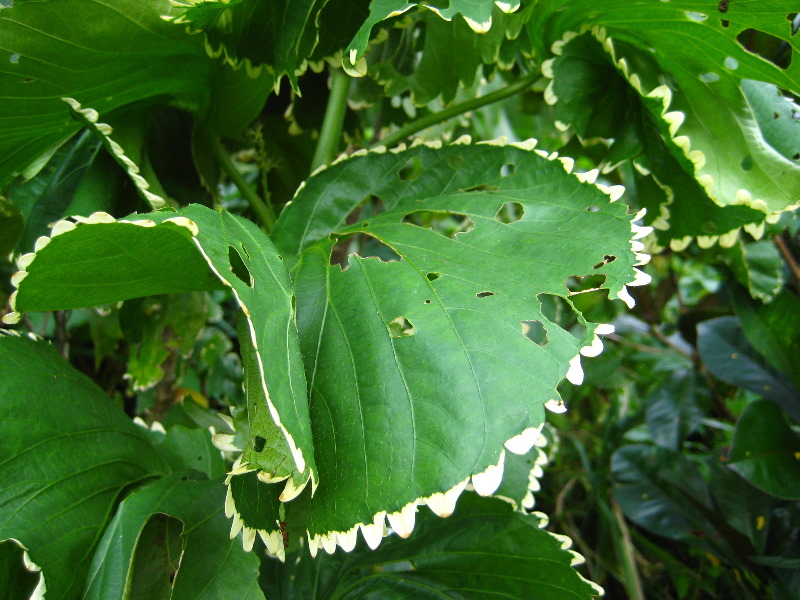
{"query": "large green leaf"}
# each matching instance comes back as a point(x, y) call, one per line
point(718, 119)
point(67, 453)
point(102, 261)
point(418, 368)
point(766, 451)
point(122, 54)
point(484, 550)
point(206, 563)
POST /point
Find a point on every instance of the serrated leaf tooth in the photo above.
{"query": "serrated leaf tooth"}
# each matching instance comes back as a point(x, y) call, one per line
point(637, 246)
point(604, 329)
point(17, 278)
point(674, 119)
point(373, 533)
point(487, 482)
point(224, 442)
point(569, 163)
point(41, 243)
point(347, 539)
point(544, 520)
point(444, 503)
point(755, 229)
point(640, 231)
point(556, 406)
point(528, 144)
point(641, 278)
point(62, 226)
point(522, 443)
point(402, 521)
point(328, 541)
point(12, 318)
point(726, 240)
point(236, 525)
point(230, 505)
point(547, 68)
point(291, 490)
point(550, 95)
point(626, 297)
point(464, 139)
point(577, 559)
point(269, 478)
point(558, 46)
point(24, 261)
point(313, 545)
point(575, 372)
point(248, 538)
point(641, 259)
point(593, 349)
point(706, 241)
point(588, 176)
point(273, 540)
point(680, 244)
point(508, 6)
point(184, 222)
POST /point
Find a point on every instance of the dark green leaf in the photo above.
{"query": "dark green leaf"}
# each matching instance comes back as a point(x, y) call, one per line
point(730, 357)
point(766, 451)
point(672, 410)
point(192, 558)
point(191, 450)
point(67, 453)
point(11, 226)
point(16, 581)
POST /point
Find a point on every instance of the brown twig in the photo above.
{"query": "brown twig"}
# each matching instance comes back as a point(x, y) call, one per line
point(787, 256)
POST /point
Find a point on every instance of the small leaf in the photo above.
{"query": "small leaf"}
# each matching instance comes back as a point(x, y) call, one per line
point(766, 451)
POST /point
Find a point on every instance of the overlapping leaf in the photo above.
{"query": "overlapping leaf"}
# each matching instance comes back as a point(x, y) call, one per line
point(169, 252)
point(193, 558)
point(124, 53)
point(718, 121)
point(418, 369)
point(485, 549)
point(67, 453)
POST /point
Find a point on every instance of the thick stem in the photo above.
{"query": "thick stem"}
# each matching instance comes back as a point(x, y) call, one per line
point(264, 211)
point(787, 256)
point(457, 109)
point(331, 131)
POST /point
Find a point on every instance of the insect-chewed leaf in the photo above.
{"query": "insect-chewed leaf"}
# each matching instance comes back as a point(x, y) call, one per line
point(418, 368)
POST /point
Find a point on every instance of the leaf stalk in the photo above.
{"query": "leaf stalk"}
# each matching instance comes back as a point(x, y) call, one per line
point(331, 131)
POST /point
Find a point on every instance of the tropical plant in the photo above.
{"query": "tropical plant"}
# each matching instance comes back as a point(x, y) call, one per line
point(277, 273)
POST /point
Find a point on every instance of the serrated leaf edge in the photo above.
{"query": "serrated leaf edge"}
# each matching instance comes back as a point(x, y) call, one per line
point(89, 117)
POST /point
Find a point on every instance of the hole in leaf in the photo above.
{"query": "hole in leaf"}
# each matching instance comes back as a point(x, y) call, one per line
point(592, 208)
point(427, 301)
point(695, 16)
point(238, 267)
point(510, 212)
point(747, 163)
point(482, 187)
point(796, 156)
point(484, 294)
point(507, 169)
point(725, 23)
point(259, 443)
point(560, 311)
point(400, 327)
point(432, 276)
point(578, 285)
point(411, 170)
point(608, 258)
point(535, 331)
point(767, 46)
point(455, 162)
point(444, 223)
point(362, 245)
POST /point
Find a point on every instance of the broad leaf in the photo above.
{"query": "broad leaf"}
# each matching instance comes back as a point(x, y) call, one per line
point(484, 550)
point(11, 226)
point(15, 579)
point(123, 54)
point(672, 410)
point(203, 563)
point(67, 453)
point(168, 252)
point(418, 368)
point(718, 119)
point(730, 357)
point(766, 451)
point(759, 267)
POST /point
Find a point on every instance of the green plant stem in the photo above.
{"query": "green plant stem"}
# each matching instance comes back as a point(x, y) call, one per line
point(457, 109)
point(331, 131)
point(264, 211)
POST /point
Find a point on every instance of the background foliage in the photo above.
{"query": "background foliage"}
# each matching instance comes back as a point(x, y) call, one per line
point(311, 347)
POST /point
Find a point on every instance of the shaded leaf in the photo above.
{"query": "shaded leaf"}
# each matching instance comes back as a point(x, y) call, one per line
point(51, 411)
point(730, 357)
point(766, 451)
point(11, 226)
point(759, 267)
point(123, 54)
point(672, 410)
point(188, 556)
point(16, 581)
point(485, 549)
